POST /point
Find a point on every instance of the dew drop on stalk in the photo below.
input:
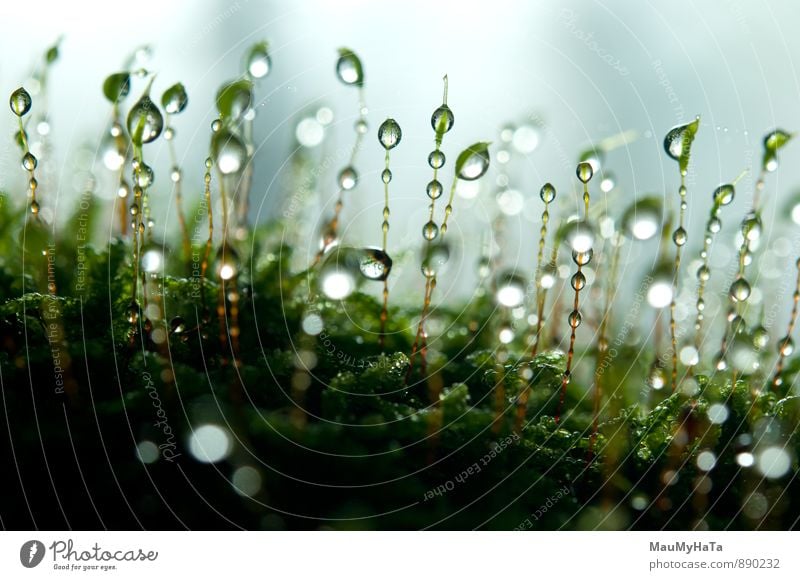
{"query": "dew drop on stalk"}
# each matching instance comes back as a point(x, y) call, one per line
point(144, 176)
point(434, 189)
point(436, 159)
point(230, 153)
point(386, 175)
point(786, 346)
point(678, 143)
point(348, 68)
point(258, 61)
point(584, 172)
point(20, 102)
point(549, 276)
point(679, 236)
point(724, 194)
point(29, 162)
point(390, 134)
point(547, 193)
point(740, 290)
point(375, 264)
point(145, 121)
point(642, 219)
point(575, 319)
point(657, 378)
point(510, 289)
point(442, 119)
point(430, 230)
point(578, 281)
point(760, 337)
point(473, 162)
point(175, 99)
point(348, 178)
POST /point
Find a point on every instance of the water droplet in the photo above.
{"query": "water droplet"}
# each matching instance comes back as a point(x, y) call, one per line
point(724, 194)
point(760, 337)
point(386, 175)
point(714, 225)
point(20, 102)
point(434, 257)
point(348, 178)
point(258, 61)
point(510, 289)
point(582, 258)
point(679, 237)
point(579, 235)
point(442, 120)
point(29, 162)
point(144, 121)
point(230, 154)
point(547, 193)
point(389, 134)
point(434, 189)
point(234, 99)
point(375, 264)
point(177, 325)
point(430, 230)
point(117, 86)
point(153, 259)
point(348, 68)
point(578, 281)
point(703, 273)
point(575, 319)
point(175, 99)
point(436, 159)
point(144, 176)
point(678, 143)
point(740, 290)
point(584, 172)
point(751, 227)
point(361, 127)
point(175, 174)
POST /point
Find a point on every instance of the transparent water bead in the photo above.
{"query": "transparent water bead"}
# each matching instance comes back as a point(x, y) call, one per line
point(349, 68)
point(389, 134)
point(175, 99)
point(145, 121)
point(473, 162)
point(20, 102)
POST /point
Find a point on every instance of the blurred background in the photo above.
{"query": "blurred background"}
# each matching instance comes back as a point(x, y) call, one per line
point(569, 73)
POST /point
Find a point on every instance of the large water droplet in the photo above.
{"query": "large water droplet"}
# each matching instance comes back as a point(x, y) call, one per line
point(258, 60)
point(145, 121)
point(230, 154)
point(348, 178)
point(234, 99)
point(434, 189)
point(430, 230)
point(510, 289)
point(659, 294)
point(473, 162)
point(584, 172)
point(175, 99)
point(740, 290)
point(436, 159)
point(348, 68)
point(20, 102)
point(678, 143)
point(724, 194)
point(679, 236)
point(442, 120)
point(389, 134)
point(547, 193)
point(29, 162)
point(375, 264)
